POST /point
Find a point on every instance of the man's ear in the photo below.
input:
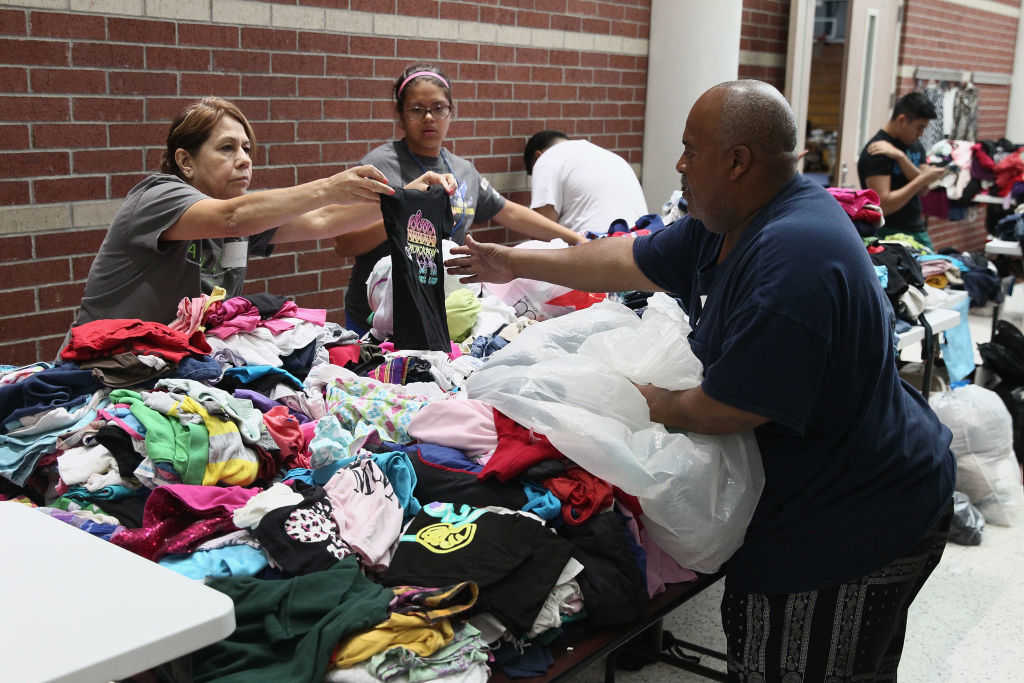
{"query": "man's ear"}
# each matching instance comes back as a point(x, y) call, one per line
point(740, 158)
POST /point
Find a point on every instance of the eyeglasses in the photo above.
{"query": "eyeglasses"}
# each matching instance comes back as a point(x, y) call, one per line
point(438, 111)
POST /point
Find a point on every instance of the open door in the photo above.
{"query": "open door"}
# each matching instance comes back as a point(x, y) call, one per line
point(869, 78)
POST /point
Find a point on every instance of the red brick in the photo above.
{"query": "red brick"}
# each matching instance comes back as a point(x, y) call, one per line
point(418, 8)
point(349, 66)
point(53, 25)
point(108, 54)
point(323, 42)
point(296, 110)
point(531, 55)
point(28, 164)
point(297, 64)
point(323, 87)
point(322, 130)
point(271, 266)
point(550, 6)
point(80, 264)
point(382, 6)
point(12, 22)
point(337, 277)
point(268, 86)
point(255, 109)
point(477, 72)
point(177, 59)
point(69, 81)
point(269, 39)
point(143, 83)
point(472, 147)
point(16, 302)
point(34, 273)
point(459, 52)
point(225, 85)
point(68, 135)
point(166, 109)
point(581, 7)
point(294, 154)
point(321, 299)
point(265, 178)
point(104, 109)
point(317, 260)
point(497, 53)
point(44, 52)
point(69, 189)
point(61, 296)
point(611, 10)
point(13, 80)
point(13, 193)
point(374, 47)
point(370, 130)
point(368, 88)
point(563, 92)
point(139, 134)
point(460, 129)
point(119, 186)
point(545, 109)
point(343, 152)
point(107, 160)
point(13, 137)
point(293, 284)
point(533, 19)
point(607, 77)
point(498, 16)
point(546, 74)
point(493, 129)
point(460, 11)
point(275, 131)
point(68, 243)
point(418, 49)
point(141, 31)
point(602, 26)
point(22, 352)
point(576, 110)
point(37, 325)
point(254, 286)
point(495, 91)
point(238, 60)
point(347, 109)
point(15, 248)
point(154, 158)
point(205, 34)
point(304, 174)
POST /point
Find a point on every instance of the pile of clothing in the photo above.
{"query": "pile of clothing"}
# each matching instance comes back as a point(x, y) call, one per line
point(366, 528)
point(992, 167)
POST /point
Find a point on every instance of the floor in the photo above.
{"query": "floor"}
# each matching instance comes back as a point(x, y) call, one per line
point(965, 626)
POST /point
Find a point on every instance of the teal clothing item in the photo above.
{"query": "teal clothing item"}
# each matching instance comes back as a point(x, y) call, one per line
point(250, 373)
point(218, 563)
point(287, 629)
point(112, 492)
point(185, 447)
point(541, 502)
point(956, 346)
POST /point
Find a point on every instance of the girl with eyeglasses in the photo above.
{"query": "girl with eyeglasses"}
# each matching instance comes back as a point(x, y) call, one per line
point(424, 109)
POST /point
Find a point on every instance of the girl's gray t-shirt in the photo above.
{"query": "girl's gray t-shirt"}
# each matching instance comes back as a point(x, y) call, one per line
point(135, 275)
point(475, 201)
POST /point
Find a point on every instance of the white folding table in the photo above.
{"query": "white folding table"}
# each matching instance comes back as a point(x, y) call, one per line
point(80, 609)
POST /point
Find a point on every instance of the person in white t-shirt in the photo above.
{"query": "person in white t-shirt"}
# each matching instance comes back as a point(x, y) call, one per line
point(581, 185)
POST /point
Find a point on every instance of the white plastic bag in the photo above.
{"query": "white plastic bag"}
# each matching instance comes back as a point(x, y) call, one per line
point(529, 298)
point(987, 469)
point(698, 493)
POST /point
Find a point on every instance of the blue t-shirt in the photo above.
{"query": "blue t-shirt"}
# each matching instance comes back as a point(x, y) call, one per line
point(793, 326)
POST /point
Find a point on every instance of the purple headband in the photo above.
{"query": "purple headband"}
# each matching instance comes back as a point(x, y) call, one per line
point(417, 75)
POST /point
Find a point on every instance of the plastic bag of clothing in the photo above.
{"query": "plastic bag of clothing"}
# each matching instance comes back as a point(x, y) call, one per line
point(698, 493)
point(987, 470)
point(534, 299)
point(967, 523)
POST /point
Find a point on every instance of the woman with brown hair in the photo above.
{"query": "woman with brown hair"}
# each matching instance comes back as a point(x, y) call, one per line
point(193, 225)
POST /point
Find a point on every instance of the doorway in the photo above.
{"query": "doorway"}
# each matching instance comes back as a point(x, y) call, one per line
point(824, 97)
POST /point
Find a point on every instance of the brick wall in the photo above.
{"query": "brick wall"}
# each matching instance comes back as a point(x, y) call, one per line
point(764, 36)
point(87, 96)
point(956, 36)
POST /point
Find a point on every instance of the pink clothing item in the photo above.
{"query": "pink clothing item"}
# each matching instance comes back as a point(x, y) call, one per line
point(367, 511)
point(231, 317)
point(179, 517)
point(308, 430)
point(858, 204)
point(661, 568)
point(190, 314)
point(312, 315)
point(467, 425)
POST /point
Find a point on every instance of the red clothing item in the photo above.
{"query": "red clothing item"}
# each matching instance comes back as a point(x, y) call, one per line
point(341, 355)
point(582, 494)
point(104, 338)
point(518, 449)
point(285, 431)
point(1009, 171)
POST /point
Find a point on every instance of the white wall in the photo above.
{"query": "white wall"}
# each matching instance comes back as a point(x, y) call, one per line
point(693, 45)
point(1015, 114)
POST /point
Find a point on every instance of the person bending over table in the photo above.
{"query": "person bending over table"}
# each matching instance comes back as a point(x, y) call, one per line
point(424, 108)
point(580, 185)
point(192, 226)
point(796, 341)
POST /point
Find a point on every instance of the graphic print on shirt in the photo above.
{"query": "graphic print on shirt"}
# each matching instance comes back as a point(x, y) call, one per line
point(462, 211)
point(421, 247)
point(316, 524)
point(444, 538)
point(915, 158)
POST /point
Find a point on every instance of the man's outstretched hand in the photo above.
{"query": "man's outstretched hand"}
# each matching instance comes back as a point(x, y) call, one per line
point(481, 262)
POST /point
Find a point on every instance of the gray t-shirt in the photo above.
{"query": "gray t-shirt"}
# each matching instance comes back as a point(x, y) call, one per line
point(135, 275)
point(474, 201)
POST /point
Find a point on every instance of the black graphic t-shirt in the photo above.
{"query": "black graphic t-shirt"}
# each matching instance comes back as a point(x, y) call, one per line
point(303, 538)
point(416, 222)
